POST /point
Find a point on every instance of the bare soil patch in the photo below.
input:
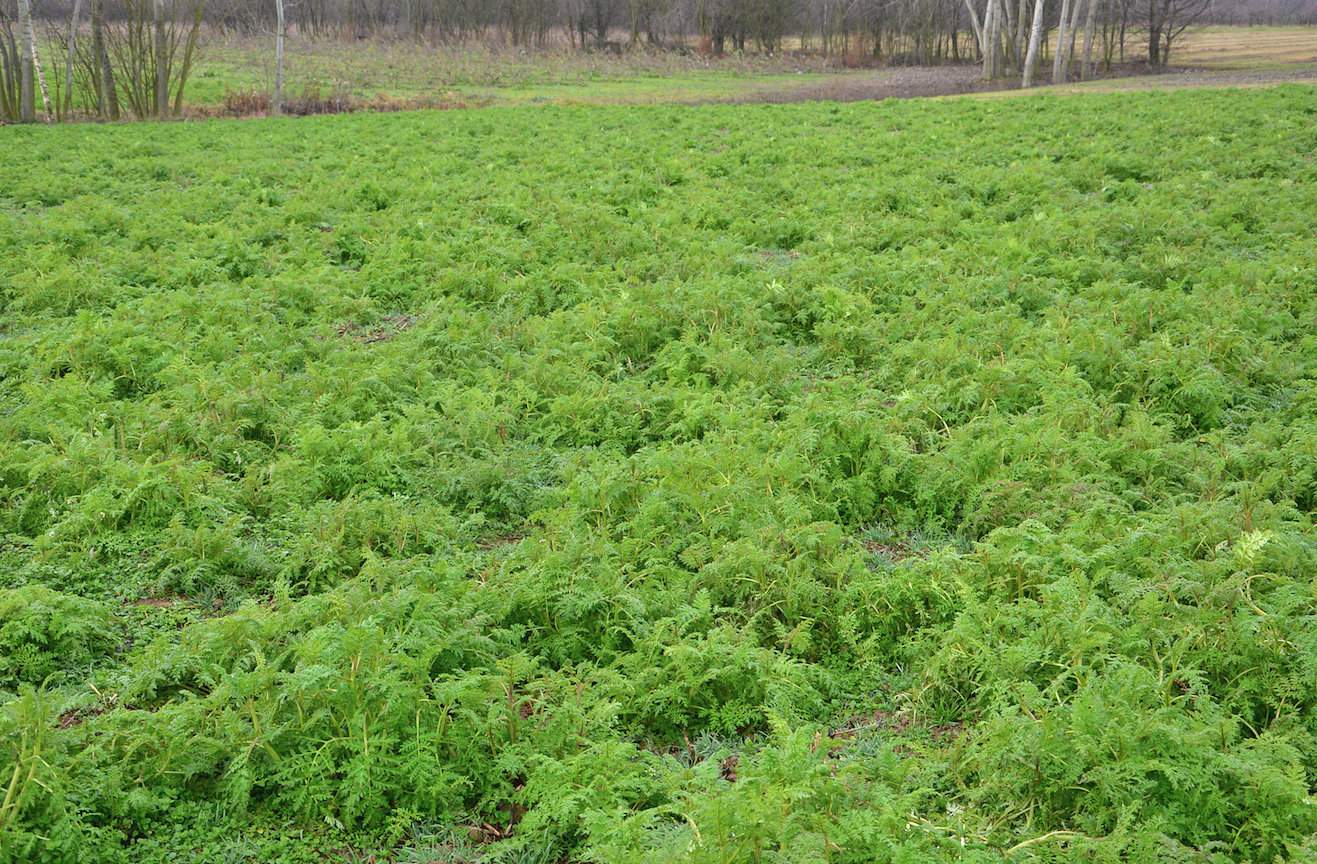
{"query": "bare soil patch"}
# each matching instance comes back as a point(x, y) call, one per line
point(388, 327)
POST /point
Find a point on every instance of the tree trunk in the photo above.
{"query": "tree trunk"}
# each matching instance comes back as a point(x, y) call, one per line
point(989, 45)
point(26, 97)
point(1087, 70)
point(107, 96)
point(189, 50)
point(974, 23)
point(41, 76)
point(1021, 30)
point(161, 60)
point(1077, 8)
point(1035, 40)
point(68, 58)
point(1058, 67)
point(1124, 24)
point(1005, 24)
point(1155, 22)
point(277, 105)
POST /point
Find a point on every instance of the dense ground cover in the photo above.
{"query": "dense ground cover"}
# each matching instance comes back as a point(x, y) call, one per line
point(903, 482)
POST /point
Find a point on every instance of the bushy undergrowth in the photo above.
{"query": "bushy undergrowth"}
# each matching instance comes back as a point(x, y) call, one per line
point(904, 482)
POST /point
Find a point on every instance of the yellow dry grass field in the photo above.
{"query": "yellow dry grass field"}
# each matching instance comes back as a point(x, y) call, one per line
point(1246, 47)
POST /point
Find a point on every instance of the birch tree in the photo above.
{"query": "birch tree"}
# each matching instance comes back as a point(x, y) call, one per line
point(277, 104)
point(1035, 42)
point(26, 99)
point(1057, 71)
point(1090, 25)
point(989, 43)
point(1005, 25)
point(1073, 29)
point(975, 26)
point(1065, 42)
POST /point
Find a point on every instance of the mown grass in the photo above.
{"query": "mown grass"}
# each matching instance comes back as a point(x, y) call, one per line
point(923, 481)
point(1247, 47)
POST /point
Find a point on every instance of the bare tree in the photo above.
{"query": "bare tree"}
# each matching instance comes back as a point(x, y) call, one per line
point(1090, 25)
point(145, 45)
point(989, 46)
point(67, 108)
point(1058, 64)
point(161, 59)
point(1167, 21)
point(9, 69)
point(277, 104)
point(976, 27)
point(1021, 31)
point(1035, 42)
point(26, 36)
point(107, 96)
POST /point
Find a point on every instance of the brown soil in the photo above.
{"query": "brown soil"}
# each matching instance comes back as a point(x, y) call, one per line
point(897, 551)
point(1178, 78)
point(159, 602)
point(388, 327)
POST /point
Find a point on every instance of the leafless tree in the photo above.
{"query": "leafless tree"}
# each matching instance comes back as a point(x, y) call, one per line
point(162, 58)
point(1035, 41)
point(1166, 22)
point(153, 48)
point(1058, 60)
point(67, 107)
point(1090, 25)
point(280, 32)
point(107, 94)
point(26, 36)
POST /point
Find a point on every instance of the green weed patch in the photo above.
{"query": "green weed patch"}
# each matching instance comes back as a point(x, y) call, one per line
point(906, 482)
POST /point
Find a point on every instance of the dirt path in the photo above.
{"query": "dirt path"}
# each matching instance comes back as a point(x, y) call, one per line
point(1298, 74)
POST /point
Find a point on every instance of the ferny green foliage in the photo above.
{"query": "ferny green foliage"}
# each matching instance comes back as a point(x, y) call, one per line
point(902, 482)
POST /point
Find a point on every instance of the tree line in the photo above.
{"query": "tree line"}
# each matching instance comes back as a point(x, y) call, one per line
point(746, 25)
point(134, 56)
point(126, 57)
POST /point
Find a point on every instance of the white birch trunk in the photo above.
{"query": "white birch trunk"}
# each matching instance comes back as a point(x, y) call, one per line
point(1073, 29)
point(1035, 42)
point(26, 99)
point(277, 104)
point(41, 76)
point(1090, 27)
point(31, 66)
point(973, 23)
point(1058, 67)
point(989, 43)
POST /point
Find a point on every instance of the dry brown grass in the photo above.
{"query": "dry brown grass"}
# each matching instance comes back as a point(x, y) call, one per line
point(1246, 47)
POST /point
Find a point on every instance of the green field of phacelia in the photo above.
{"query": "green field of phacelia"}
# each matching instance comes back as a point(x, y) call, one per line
point(902, 482)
